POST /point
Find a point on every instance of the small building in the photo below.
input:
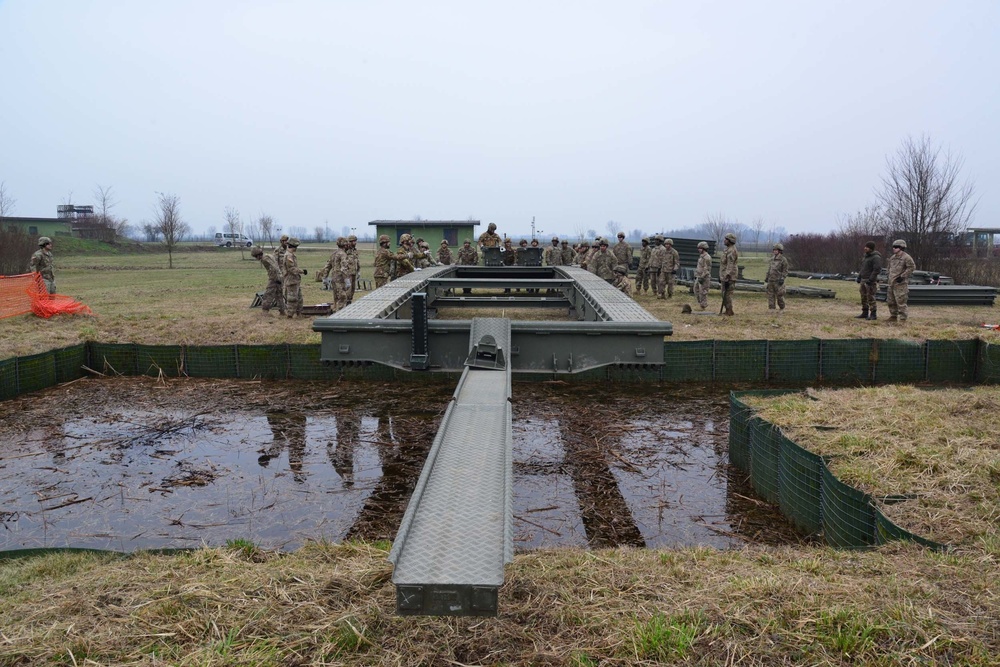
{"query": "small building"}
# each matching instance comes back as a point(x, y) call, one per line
point(39, 226)
point(432, 231)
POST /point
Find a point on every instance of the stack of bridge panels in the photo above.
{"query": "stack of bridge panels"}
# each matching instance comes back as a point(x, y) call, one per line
point(946, 295)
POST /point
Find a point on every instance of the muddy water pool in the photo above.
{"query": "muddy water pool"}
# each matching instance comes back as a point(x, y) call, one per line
point(133, 463)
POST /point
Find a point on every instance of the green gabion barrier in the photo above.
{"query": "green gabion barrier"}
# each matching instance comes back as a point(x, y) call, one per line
point(988, 364)
point(69, 362)
point(793, 361)
point(801, 484)
point(154, 360)
point(740, 360)
point(900, 361)
point(689, 361)
point(36, 372)
point(846, 362)
point(8, 379)
point(952, 361)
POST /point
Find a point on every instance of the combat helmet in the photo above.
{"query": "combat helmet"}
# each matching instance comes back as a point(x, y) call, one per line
point(341, 241)
point(444, 241)
point(702, 245)
point(384, 238)
point(352, 238)
point(668, 241)
point(283, 239)
point(898, 243)
point(778, 246)
point(621, 269)
point(731, 237)
point(256, 251)
point(492, 227)
point(405, 238)
point(293, 242)
point(43, 240)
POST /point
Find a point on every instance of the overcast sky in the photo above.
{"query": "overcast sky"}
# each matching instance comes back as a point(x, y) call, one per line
point(652, 114)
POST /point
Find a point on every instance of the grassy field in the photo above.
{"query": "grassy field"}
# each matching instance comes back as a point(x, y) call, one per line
point(334, 604)
point(205, 299)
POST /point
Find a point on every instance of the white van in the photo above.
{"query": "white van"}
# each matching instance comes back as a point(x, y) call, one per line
point(230, 240)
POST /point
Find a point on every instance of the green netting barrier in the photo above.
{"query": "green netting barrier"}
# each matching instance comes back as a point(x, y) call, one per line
point(740, 360)
point(35, 372)
point(951, 360)
point(113, 358)
point(8, 379)
point(887, 531)
point(899, 361)
point(211, 361)
point(847, 362)
point(154, 360)
point(262, 362)
point(689, 361)
point(793, 361)
point(739, 413)
point(800, 485)
point(641, 374)
point(764, 455)
point(70, 362)
point(988, 365)
point(848, 514)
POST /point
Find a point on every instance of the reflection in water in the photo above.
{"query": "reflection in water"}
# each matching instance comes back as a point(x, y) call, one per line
point(106, 466)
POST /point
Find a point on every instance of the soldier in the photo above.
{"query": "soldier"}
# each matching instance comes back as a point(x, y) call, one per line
point(622, 251)
point(41, 263)
point(871, 265)
point(703, 275)
point(273, 296)
point(279, 253)
point(293, 279)
point(553, 255)
point(901, 267)
point(580, 258)
point(588, 260)
point(522, 257)
point(406, 255)
point(335, 271)
point(508, 254)
point(425, 261)
point(444, 253)
point(642, 273)
point(467, 256)
point(489, 238)
point(568, 253)
point(534, 243)
point(668, 272)
point(382, 258)
point(621, 280)
point(728, 271)
point(777, 271)
point(604, 262)
point(658, 258)
point(354, 261)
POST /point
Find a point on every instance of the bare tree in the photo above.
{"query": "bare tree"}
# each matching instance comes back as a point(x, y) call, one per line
point(757, 227)
point(235, 226)
point(150, 231)
point(613, 228)
point(319, 233)
point(923, 200)
point(7, 202)
point(104, 202)
point(168, 223)
point(266, 224)
point(716, 227)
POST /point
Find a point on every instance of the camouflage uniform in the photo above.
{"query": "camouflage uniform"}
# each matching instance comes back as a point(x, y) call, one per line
point(777, 271)
point(623, 253)
point(568, 255)
point(659, 256)
point(871, 265)
point(353, 266)
point(41, 262)
point(273, 296)
point(467, 256)
point(642, 273)
point(668, 273)
point(406, 255)
point(279, 253)
point(293, 281)
point(604, 262)
point(728, 271)
point(336, 269)
point(703, 277)
point(553, 255)
point(444, 254)
point(901, 267)
point(621, 280)
point(382, 258)
point(490, 238)
point(509, 255)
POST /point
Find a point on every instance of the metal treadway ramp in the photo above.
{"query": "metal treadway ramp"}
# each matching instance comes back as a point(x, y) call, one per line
point(457, 533)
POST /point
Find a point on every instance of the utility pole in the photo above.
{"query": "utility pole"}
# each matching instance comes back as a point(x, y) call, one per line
point(532, 228)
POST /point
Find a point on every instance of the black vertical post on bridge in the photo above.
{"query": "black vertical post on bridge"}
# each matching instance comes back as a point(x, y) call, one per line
point(418, 347)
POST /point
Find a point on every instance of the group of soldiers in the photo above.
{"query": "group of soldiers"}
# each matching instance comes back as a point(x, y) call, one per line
point(901, 267)
point(284, 277)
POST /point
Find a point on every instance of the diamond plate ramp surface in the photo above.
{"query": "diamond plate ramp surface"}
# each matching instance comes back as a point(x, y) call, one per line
point(457, 532)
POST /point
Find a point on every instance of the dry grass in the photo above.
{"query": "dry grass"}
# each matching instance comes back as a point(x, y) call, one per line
point(938, 446)
point(334, 605)
point(205, 300)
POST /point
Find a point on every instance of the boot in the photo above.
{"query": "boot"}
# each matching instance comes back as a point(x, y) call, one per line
point(871, 315)
point(729, 311)
point(863, 315)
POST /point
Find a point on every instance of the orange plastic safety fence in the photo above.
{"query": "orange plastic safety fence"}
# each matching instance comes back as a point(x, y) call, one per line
point(26, 293)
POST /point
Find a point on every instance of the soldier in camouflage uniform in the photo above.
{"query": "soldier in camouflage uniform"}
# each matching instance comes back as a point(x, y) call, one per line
point(425, 261)
point(668, 272)
point(293, 280)
point(354, 261)
point(509, 254)
point(41, 262)
point(279, 253)
point(622, 251)
point(273, 293)
point(604, 262)
point(621, 280)
point(777, 271)
point(901, 267)
point(658, 259)
point(467, 256)
point(728, 272)
point(642, 273)
point(489, 238)
point(580, 255)
point(552, 255)
point(406, 255)
point(871, 266)
point(382, 258)
point(444, 253)
point(334, 270)
point(568, 254)
point(703, 275)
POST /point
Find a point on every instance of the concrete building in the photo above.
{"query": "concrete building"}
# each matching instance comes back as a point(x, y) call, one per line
point(432, 231)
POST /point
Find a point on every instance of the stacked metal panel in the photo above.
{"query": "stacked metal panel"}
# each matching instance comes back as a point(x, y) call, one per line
point(946, 295)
